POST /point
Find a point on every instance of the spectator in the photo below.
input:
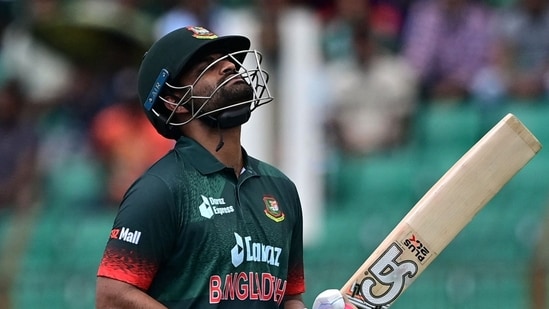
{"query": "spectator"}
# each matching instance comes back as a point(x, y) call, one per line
point(184, 13)
point(337, 41)
point(374, 98)
point(124, 141)
point(520, 65)
point(384, 18)
point(270, 13)
point(447, 42)
point(18, 149)
point(387, 20)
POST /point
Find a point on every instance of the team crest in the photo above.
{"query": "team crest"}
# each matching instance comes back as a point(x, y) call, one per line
point(272, 210)
point(202, 33)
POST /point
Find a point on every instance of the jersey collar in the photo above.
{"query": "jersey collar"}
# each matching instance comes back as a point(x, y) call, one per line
point(202, 159)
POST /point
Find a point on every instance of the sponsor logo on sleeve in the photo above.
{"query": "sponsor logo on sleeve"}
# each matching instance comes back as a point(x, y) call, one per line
point(125, 234)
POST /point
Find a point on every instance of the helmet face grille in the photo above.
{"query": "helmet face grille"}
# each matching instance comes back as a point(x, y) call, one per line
point(250, 71)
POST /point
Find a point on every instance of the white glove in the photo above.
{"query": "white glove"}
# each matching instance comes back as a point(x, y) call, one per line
point(329, 299)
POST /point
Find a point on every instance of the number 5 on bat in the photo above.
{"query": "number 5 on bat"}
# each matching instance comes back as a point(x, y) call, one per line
point(391, 274)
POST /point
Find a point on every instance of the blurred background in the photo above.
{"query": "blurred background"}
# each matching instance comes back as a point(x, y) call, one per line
point(375, 100)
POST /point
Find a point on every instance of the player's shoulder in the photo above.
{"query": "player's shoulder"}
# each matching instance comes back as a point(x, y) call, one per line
point(160, 179)
point(164, 164)
point(267, 169)
point(168, 169)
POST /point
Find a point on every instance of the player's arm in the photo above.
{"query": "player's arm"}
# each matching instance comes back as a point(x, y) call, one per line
point(114, 294)
point(128, 268)
point(293, 302)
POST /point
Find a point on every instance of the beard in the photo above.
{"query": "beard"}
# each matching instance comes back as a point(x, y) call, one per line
point(229, 95)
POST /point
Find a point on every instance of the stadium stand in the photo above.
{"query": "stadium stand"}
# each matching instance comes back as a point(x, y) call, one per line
point(486, 266)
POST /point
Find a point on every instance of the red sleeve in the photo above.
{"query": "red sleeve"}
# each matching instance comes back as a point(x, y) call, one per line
point(296, 273)
point(142, 236)
point(125, 267)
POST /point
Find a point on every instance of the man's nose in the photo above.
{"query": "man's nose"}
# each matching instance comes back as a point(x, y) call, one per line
point(228, 66)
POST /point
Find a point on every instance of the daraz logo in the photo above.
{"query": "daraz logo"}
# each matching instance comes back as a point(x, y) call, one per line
point(214, 206)
point(126, 235)
point(248, 250)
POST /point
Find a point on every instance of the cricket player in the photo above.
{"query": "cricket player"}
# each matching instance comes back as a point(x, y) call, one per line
point(208, 225)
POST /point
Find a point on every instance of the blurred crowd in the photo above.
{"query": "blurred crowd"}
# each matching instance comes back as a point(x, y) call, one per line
point(71, 126)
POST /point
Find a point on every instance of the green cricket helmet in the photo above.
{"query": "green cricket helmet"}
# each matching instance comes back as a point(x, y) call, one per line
point(176, 52)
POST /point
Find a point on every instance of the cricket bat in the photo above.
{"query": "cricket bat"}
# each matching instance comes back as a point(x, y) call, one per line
point(441, 214)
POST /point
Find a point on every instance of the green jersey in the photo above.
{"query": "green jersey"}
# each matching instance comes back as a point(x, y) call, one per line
point(193, 235)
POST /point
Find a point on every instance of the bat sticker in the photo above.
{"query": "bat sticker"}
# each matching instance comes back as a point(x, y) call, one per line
point(391, 274)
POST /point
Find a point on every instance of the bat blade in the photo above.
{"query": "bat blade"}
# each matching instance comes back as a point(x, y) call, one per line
point(437, 218)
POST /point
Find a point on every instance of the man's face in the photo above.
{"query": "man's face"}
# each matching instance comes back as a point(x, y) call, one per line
point(217, 84)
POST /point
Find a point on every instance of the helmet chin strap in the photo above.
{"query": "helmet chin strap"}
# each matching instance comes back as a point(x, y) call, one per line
point(227, 119)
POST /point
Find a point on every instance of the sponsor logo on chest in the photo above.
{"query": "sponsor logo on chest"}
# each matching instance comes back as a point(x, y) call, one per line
point(246, 250)
point(214, 206)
